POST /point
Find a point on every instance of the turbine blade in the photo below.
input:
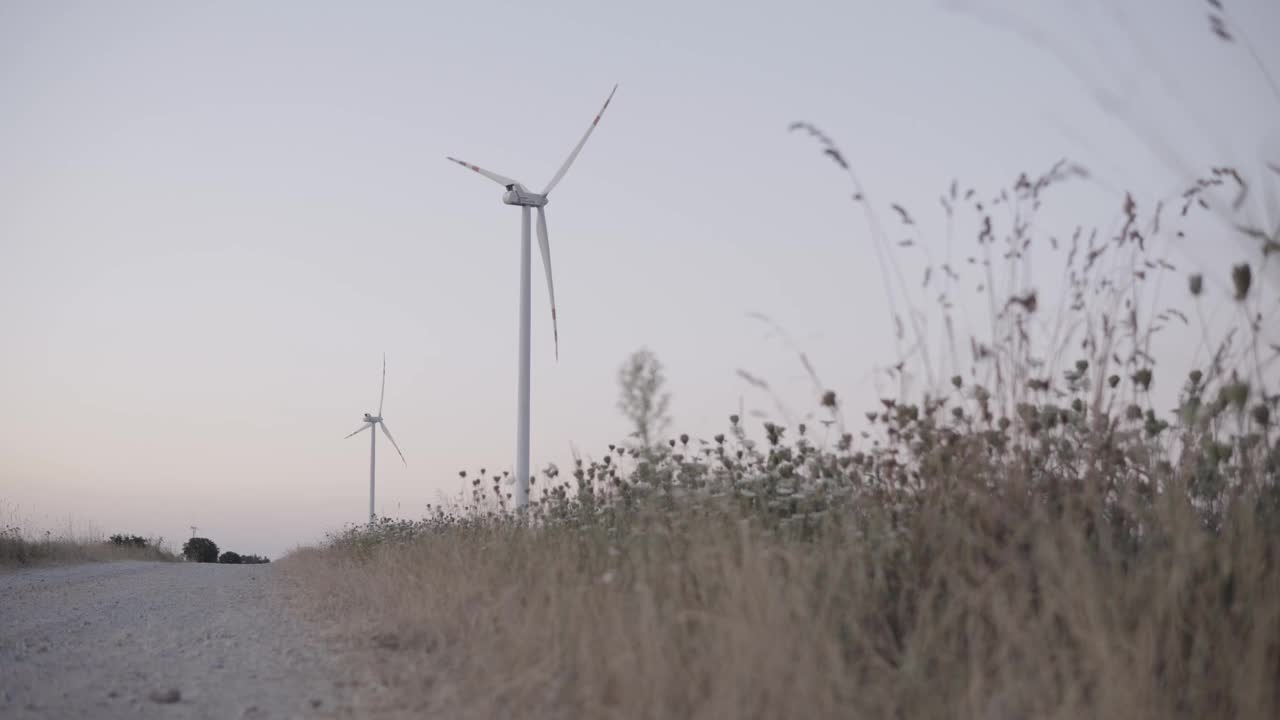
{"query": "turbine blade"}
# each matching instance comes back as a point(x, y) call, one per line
point(544, 243)
point(362, 429)
point(383, 395)
point(578, 148)
point(387, 432)
point(504, 181)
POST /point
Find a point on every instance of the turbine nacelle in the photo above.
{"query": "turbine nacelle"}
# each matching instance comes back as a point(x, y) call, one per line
point(372, 418)
point(517, 195)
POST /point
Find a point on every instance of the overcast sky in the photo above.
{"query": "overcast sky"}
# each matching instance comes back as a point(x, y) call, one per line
point(215, 218)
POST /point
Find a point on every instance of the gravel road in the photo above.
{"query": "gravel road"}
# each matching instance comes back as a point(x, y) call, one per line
point(160, 640)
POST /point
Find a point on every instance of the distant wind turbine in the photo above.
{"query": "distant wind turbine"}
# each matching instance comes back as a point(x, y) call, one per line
point(518, 195)
point(372, 421)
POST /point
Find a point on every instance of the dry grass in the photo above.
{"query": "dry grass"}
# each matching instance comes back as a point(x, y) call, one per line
point(19, 549)
point(1035, 538)
point(971, 604)
point(1047, 544)
point(1047, 521)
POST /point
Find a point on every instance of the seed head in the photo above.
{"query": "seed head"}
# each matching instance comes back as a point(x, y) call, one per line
point(1196, 284)
point(1143, 378)
point(1237, 394)
point(1241, 278)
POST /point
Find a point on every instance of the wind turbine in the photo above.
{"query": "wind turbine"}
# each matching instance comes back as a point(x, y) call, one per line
point(517, 194)
point(371, 421)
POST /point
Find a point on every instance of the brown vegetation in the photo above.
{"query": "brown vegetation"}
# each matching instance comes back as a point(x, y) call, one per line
point(21, 549)
point(1047, 521)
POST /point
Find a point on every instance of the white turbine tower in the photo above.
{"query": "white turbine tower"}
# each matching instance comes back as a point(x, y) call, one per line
point(371, 421)
point(519, 195)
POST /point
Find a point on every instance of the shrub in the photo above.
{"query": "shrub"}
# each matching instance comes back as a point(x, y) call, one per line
point(230, 558)
point(199, 549)
point(133, 541)
point(642, 397)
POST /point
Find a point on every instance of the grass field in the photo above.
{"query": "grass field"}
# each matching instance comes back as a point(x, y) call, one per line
point(1038, 535)
point(23, 548)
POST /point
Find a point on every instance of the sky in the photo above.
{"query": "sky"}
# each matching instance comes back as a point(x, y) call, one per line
point(216, 218)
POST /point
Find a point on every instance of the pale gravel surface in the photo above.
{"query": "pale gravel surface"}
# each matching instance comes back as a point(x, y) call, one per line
point(98, 640)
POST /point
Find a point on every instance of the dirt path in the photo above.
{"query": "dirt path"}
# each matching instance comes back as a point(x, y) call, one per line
point(160, 640)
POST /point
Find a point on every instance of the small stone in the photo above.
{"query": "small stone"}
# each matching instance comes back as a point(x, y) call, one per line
point(316, 702)
point(387, 641)
point(165, 697)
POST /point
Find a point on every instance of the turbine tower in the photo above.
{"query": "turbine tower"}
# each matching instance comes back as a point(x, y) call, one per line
point(371, 421)
point(518, 195)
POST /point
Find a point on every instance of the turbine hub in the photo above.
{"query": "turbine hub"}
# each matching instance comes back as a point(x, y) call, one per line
point(517, 195)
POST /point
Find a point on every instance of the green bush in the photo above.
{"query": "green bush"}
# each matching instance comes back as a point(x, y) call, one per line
point(133, 541)
point(199, 549)
point(230, 558)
